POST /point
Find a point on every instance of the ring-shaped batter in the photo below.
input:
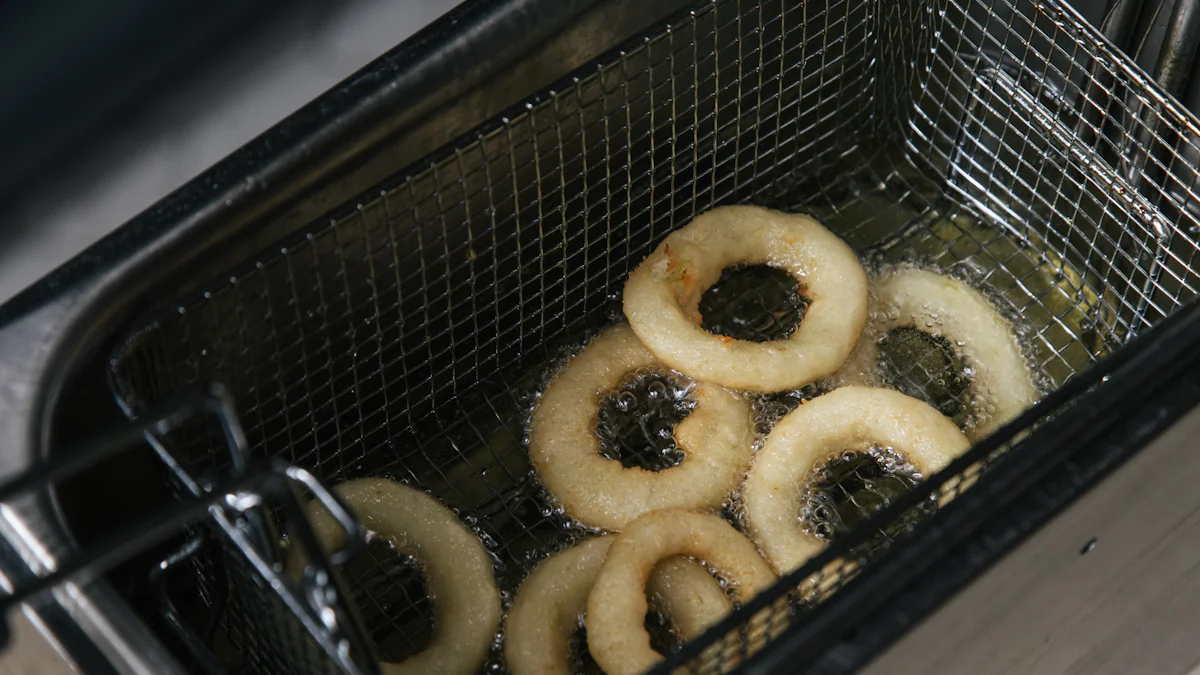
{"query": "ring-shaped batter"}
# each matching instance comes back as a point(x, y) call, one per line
point(616, 607)
point(849, 417)
point(716, 439)
point(1001, 384)
point(457, 569)
point(553, 599)
point(662, 298)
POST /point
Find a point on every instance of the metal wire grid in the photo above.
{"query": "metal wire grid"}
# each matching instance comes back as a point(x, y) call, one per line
point(313, 627)
point(790, 601)
point(279, 644)
point(848, 489)
point(1006, 125)
point(405, 335)
point(757, 303)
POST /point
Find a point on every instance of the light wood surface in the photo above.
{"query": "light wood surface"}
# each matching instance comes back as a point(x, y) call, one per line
point(30, 653)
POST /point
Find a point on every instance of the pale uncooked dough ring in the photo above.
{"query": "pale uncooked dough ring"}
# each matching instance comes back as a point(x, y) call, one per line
point(938, 305)
point(457, 569)
point(616, 607)
point(716, 440)
point(850, 417)
point(553, 598)
point(662, 298)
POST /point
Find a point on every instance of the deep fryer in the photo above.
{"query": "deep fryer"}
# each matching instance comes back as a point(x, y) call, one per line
point(379, 284)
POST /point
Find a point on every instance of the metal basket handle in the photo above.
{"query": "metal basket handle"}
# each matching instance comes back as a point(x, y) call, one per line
point(235, 505)
point(320, 605)
point(196, 645)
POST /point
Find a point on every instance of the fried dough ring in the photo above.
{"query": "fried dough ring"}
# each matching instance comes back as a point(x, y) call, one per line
point(825, 426)
point(457, 569)
point(716, 439)
point(662, 298)
point(941, 306)
point(616, 607)
point(552, 600)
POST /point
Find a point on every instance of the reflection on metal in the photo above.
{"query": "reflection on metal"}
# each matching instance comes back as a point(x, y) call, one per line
point(312, 610)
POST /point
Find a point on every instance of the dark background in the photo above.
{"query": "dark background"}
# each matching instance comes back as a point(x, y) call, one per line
point(108, 105)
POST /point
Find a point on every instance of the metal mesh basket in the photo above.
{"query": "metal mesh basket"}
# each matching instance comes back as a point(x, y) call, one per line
point(405, 334)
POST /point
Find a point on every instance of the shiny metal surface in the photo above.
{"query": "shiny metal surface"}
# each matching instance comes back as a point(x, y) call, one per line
point(48, 332)
point(404, 332)
point(312, 621)
point(982, 152)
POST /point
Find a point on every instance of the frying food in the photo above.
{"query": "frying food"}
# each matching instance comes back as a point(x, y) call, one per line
point(457, 569)
point(849, 418)
point(617, 605)
point(941, 306)
point(551, 602)
point(662, 298)
point(716, 439)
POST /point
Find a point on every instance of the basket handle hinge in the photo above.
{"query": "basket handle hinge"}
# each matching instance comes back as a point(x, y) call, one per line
point(235, 507)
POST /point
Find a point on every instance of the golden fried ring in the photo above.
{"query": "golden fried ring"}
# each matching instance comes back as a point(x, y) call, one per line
point(662, 298)
point(941, 306)
point(716, 439)
point(551, 602)
point(616, 607)
point(827, 425)
point(457, 569)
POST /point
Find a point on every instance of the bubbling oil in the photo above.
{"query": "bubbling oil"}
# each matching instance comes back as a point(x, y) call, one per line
point(845, 490)
point(636, 422)
point(582, 662)
point(1061, 317)
point(758, 303)
point(389, 588)
point(663, 639)
point(930, 368)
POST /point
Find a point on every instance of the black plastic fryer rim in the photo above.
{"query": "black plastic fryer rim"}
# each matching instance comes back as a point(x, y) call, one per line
point(1134, 424)
point(1114, 409)
point(996, 500)
point(1148, 359)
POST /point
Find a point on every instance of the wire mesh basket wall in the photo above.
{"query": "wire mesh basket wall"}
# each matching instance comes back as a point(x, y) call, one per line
point(407, 334)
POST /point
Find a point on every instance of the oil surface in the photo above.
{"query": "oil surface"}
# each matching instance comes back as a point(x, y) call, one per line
point(636, 423)
point(848, 488)
point(478, 464)
point(757, 303)
point(927, 367)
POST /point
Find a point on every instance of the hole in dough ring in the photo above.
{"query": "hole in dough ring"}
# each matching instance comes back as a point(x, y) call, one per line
point(716, 439)
point(826, 425)
point(553, 599)
point(662, 298)
point(941, 306)
point(458, 569)
point(616, 608)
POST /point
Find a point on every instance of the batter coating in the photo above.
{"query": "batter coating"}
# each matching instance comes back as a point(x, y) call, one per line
point(824, 426)
point(616, 607)
point(457, 569)
point(715, 438)
point(553, 598)
point(944, 307)
point(662, 298)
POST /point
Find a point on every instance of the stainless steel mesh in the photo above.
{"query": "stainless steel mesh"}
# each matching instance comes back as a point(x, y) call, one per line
point(405, 334)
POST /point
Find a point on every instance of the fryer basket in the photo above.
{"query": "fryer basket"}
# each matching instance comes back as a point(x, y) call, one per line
point(407, 333)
